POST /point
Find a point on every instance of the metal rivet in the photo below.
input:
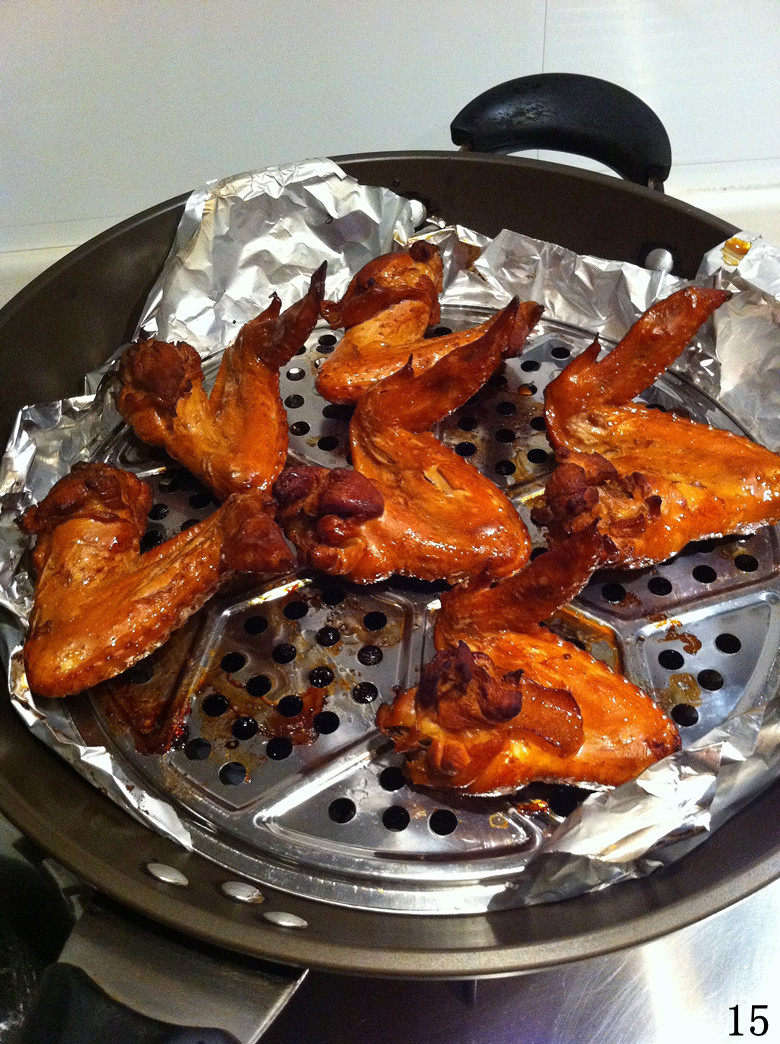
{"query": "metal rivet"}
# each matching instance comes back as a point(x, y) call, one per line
point(242, 892)
point(285, 920)
point(660, 260)
point(167, 874)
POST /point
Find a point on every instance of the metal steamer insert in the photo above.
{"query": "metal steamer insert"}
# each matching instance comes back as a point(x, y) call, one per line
point(282, 777)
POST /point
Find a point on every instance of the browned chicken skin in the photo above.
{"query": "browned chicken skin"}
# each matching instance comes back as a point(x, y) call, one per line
point(506, 702)
point(652, 481)
point(406, 275)
point(412, 506)
point(100, 605)
point(236, 438)
point(386, 310)
point(381, 345)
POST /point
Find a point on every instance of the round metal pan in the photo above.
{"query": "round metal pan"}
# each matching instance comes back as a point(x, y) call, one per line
point(78, 312)
point(74, 315)
point(85, 831)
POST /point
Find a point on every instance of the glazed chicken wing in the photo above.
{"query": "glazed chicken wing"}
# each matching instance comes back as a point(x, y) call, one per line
point(411, 506)
point(100, 605)
point(406, 275)
point(652, 481)
point(380, 346)
point(506, 702)
point(236, 438)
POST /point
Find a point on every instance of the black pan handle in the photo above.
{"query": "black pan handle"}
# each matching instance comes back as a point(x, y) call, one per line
point(569, 113)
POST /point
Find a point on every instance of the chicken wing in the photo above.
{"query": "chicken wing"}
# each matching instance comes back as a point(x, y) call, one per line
point(412, 506)
point(653, 481)
point(506, 702)
point(407, 275)
point(380, 346)
point(100, 605)
point(236, 438)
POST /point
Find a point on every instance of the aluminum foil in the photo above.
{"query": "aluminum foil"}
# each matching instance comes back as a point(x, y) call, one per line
point(746, 374)
point(245, 237)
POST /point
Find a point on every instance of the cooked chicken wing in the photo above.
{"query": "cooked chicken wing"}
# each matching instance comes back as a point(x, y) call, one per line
point(235, 438)
point(506, 702)
point(100, 605)
point(407, 275)
point(374, 349)
point(411, 506)
point(652, 481)
point(149, 701)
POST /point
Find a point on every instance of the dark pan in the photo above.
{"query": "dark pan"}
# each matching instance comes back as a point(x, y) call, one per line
point(77, 313)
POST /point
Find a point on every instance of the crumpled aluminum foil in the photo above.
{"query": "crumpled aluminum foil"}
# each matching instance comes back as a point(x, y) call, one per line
point(245, 237)
point(747, 333)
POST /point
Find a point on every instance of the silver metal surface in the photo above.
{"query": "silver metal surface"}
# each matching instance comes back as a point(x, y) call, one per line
point(175, 981)
point(167, 874)
point(282, 777)
point(660, 259)
point(681, 988)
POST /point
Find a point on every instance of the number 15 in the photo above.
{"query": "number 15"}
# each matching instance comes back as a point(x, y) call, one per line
point(759, 1024)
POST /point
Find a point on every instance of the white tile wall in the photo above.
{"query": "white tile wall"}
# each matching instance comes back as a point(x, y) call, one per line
point(110, 107)
point(710, 70)
point(114, 106)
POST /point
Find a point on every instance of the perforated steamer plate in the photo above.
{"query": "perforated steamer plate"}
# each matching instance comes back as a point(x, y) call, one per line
point(282, 777)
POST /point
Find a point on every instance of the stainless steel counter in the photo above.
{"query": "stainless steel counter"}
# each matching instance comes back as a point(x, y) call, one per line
point(681, 988)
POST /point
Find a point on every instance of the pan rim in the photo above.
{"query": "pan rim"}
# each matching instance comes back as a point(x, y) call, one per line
point(356, 161)
point(94, 823)
point(36, 813)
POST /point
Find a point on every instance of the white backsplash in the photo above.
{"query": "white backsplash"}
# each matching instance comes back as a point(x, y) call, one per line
point(112, 107)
